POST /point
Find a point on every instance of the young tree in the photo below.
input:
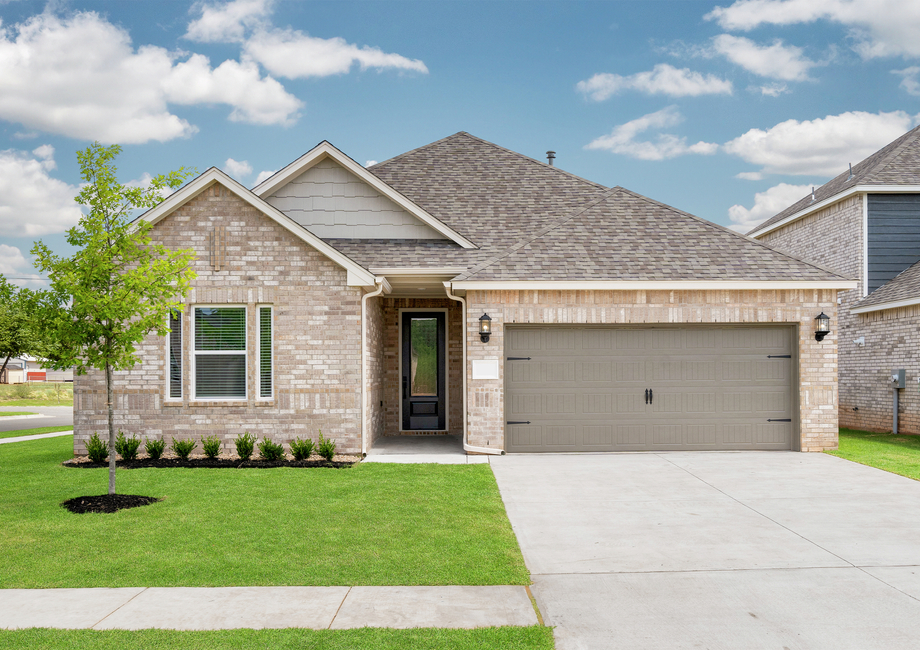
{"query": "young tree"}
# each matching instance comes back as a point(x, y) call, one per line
point(118, 286)
point(18, 332)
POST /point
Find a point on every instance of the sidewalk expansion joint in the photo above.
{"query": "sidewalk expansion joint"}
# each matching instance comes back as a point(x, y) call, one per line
point(339, 608)
point(536, 608)
point(93, 626)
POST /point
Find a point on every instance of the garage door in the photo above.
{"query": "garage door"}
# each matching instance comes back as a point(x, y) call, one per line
point(620, 389)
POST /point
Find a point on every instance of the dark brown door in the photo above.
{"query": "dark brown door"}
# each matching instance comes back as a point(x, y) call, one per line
point(423, 371)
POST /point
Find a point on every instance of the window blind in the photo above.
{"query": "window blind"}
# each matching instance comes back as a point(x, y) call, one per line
point(265, 351)
point(175, 354)
point(220, 352)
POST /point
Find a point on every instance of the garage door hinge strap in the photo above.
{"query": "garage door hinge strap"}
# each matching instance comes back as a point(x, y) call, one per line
point(518, 358)
point(518, 422)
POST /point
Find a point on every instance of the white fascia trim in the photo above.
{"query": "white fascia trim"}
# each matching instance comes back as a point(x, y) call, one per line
point(326, 150)
point(907, 302)
point(357, 275)
point(453, 272)
point(651, 285)
point(856, 189)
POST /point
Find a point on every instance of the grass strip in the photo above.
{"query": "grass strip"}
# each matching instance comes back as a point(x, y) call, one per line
point(896, 453)
point(373, 524)
point(34, 432)
point(494, 638)
point(36, 402)
point(6, 414)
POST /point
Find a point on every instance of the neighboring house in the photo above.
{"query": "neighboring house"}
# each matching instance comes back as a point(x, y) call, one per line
point(866, 225)
point(349, 300)
point(26, 369)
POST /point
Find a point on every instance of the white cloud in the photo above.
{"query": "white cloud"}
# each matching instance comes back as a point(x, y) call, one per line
point(18, 270)
point(622, 139)
point(910, 81)
point(370, 163)
point(31, 202)
point(766, 204)
point(114, 93)
point(237, 168)
point(264, 176)
point(663, 79)
point(771, 90)
point(295, 55)
point(227, 23)
point(878, 27)
point(823, 146)
point(776, 61)
point(750, 176)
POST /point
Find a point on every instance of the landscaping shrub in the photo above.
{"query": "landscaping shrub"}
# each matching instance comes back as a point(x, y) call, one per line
point(325, 447)
point(127, 447)
point(183, 447)
point(96, 449)
point(269, 450)
point(301, 449)
point(244, 445)
point(211, 446)
point(155, 448)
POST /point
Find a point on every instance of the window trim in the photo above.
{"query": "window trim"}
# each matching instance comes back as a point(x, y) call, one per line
point(194, 353)
point(169, 350)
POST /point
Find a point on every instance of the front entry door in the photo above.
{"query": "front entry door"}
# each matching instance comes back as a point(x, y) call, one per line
point(423, 370)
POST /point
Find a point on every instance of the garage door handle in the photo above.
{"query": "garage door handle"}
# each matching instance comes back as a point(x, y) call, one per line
point(518, 422)
point(646, 395)
point(518, 359)
point(779, 356)
point(780, 420)
point(651, 396)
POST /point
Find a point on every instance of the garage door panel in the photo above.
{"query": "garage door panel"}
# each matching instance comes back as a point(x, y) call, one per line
point(713, 387)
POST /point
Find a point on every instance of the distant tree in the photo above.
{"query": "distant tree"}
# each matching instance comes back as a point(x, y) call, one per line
point(118, 286)
point(19, 332)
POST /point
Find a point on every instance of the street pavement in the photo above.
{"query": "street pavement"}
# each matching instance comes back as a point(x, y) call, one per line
point(45, 416)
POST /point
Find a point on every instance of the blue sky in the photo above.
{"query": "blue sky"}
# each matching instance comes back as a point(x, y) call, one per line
point(728, 110)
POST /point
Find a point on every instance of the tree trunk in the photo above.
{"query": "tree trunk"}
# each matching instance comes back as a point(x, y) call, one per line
point(111, 408)
point(8, 357)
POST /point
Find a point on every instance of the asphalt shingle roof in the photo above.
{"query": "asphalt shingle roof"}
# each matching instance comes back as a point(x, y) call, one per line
point(897, 163)
point(622, 235)
point(903, 286)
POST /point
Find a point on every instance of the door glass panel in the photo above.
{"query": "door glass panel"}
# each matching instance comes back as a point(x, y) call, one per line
point(423, 345)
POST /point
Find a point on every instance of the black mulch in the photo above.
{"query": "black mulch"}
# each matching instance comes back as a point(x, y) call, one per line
point(107, 503)
point(210, 462)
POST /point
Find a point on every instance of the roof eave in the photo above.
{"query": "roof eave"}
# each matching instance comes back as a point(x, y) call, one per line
point(893, 304)
point(649, 285)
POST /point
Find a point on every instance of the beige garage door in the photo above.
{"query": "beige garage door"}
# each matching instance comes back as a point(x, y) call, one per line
point(621, 389)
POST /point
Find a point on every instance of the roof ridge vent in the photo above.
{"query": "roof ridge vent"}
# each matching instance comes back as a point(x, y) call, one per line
point(850, 177)
point(550, 157)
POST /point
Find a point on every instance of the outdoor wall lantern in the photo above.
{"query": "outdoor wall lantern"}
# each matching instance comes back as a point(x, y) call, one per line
point(485, 328)
point(822, 326)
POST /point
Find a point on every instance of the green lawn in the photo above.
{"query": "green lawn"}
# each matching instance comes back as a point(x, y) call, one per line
point(373, 524)
point(899, 453)
point(12, 413)
point(493, 638)
point(52, 394)
point(35, 432)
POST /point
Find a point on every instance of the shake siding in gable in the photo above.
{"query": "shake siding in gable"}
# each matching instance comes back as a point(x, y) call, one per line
point(317, 338)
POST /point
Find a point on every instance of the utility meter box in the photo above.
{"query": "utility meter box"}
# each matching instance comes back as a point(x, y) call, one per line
point(898, 378)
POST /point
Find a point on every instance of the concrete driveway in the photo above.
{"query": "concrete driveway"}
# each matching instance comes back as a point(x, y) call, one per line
point(717, 549)
point(45, 416)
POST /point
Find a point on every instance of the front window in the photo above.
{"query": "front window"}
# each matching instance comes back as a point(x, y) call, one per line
point(220, 352)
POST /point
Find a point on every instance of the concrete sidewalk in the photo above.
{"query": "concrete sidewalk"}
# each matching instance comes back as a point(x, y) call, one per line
point(223, 608)
point(54, 434)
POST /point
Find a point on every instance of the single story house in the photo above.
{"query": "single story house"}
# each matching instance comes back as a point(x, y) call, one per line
point(24, 369)
point(865, 224)
point(463, 288)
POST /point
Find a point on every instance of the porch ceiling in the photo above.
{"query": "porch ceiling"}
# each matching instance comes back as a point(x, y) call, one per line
point(417, 285)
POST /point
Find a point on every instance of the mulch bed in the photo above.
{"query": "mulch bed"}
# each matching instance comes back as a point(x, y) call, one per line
point(203, 461)
point(107, 503)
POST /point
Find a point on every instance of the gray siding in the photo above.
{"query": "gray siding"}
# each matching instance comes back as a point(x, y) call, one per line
point(894, 236)
point(330, 201)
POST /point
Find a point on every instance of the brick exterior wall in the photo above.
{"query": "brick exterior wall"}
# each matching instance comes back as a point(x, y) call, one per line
point(817, 362)
point(392, 380)
point(317, 337)
point(376, 369)
point(833, 237)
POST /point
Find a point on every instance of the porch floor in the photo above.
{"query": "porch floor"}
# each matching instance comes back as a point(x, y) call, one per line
point(421, 449)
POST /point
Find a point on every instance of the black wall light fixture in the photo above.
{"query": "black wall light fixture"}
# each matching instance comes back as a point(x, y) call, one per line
point(485, 328)
point(822, 326)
